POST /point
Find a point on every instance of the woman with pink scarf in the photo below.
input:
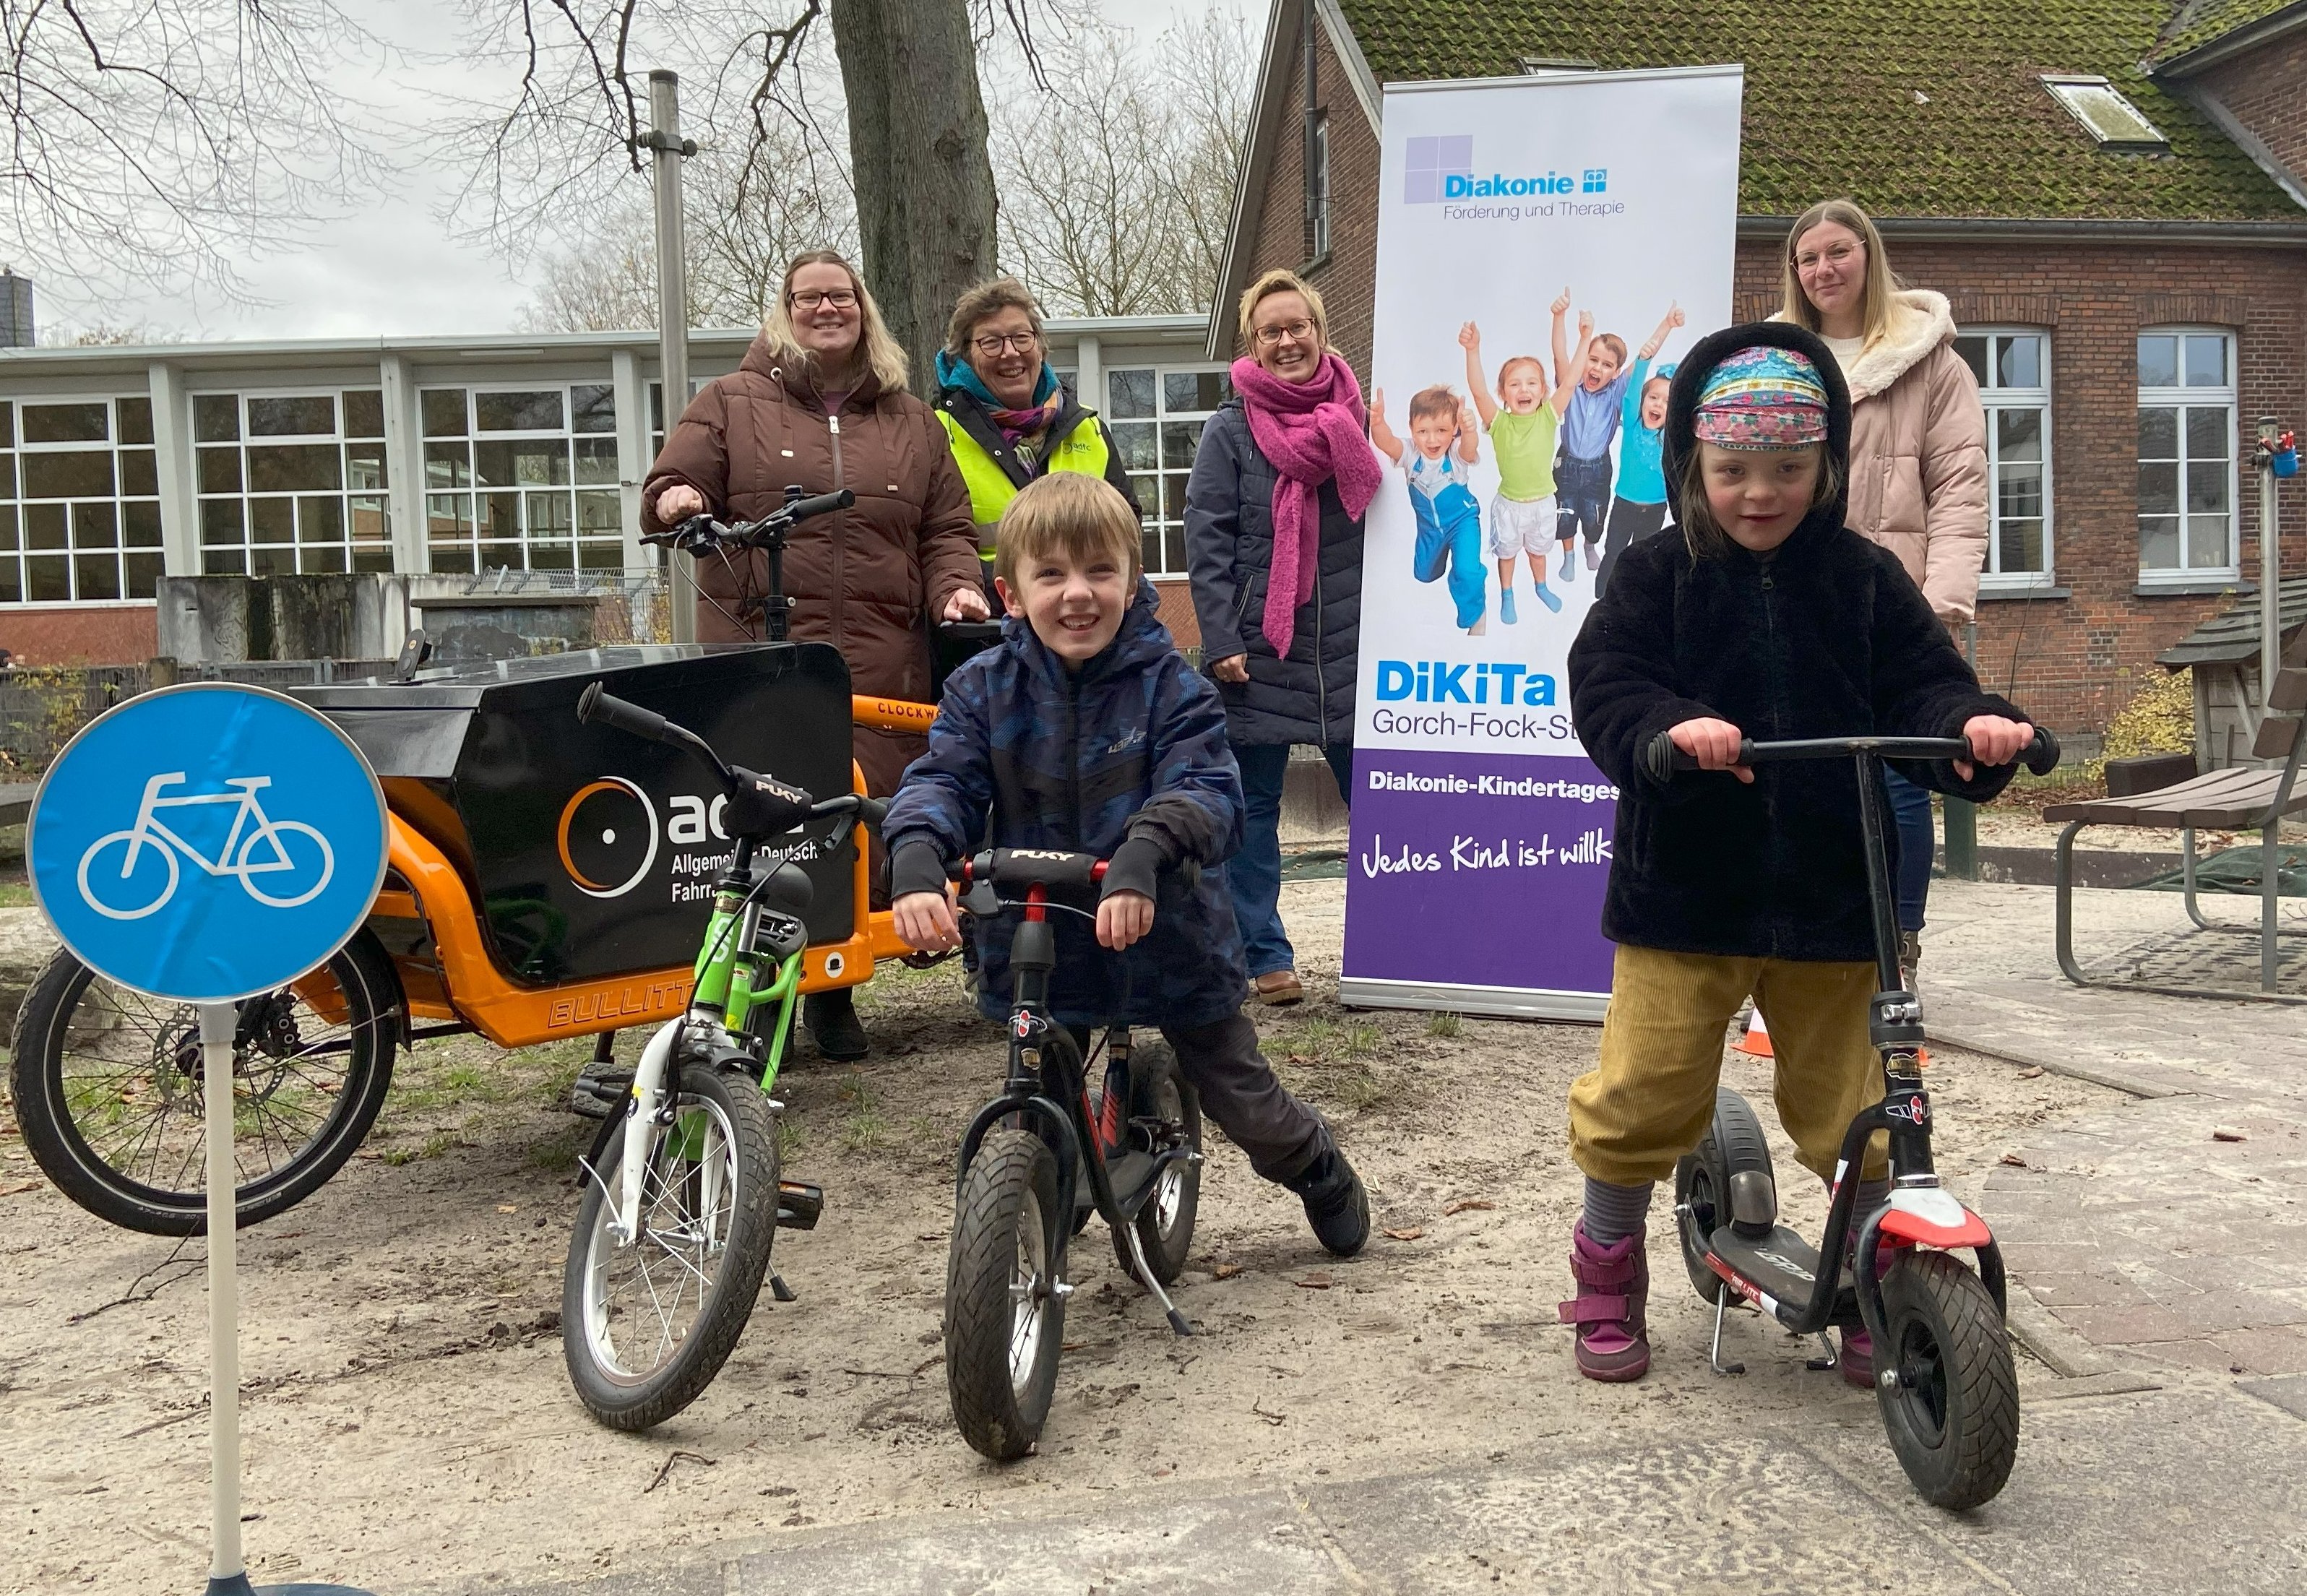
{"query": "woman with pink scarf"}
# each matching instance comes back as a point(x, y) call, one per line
point(1274, 531)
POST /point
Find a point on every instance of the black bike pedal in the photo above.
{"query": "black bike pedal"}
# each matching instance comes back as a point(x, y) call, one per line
point(598, 1094)
point(798, 1206)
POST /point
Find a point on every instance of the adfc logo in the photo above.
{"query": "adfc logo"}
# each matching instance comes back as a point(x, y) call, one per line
point(608, 837)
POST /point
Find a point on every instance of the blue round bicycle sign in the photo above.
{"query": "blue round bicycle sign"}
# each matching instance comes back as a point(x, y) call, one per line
point(207, 842)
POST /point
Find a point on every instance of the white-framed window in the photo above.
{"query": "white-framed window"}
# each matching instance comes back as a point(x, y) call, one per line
point(2013, 368)
point(291, 482)
point(522, 477)
point(1156, 414)
point(1317, 185)
point(79, 506)
point(2186, 455)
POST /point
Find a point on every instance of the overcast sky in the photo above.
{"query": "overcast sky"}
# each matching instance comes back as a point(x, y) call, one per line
point(393, 269)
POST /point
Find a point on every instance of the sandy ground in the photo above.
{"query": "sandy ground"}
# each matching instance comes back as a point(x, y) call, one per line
point(410, 1427)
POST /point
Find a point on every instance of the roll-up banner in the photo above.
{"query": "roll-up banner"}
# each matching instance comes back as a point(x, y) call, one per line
point(1546, 246)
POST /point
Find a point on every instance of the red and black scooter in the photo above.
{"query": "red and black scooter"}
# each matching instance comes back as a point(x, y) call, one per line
point(1942, 1369)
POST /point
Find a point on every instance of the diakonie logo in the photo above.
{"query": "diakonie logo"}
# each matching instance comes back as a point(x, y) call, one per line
point(1440, 169)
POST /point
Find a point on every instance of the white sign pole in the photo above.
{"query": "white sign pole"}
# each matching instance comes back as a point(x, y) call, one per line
point(217, 1022)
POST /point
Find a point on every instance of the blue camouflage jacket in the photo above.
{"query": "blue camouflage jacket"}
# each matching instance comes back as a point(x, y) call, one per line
point(1131, 749)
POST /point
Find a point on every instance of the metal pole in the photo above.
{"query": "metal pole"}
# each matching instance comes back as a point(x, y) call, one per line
point(2271, 567)
point(1961, 814)
point(665, 140)
point(227, 1574)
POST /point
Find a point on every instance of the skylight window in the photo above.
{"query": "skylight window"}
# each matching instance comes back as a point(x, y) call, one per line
point(2112, 121)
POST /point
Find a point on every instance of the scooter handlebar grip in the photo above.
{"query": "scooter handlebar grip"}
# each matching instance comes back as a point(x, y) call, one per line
point(596, 705)
point(802, 510)
point(2042, 755)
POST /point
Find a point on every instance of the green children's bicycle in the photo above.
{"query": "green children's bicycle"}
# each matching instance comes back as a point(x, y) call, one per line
point(682, 1196)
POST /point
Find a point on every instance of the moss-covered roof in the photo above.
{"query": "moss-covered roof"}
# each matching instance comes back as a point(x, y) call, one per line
point(2195, 24)
point(1916, 107)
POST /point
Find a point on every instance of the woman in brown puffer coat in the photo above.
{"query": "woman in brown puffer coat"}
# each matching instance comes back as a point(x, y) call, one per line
point(820, 401)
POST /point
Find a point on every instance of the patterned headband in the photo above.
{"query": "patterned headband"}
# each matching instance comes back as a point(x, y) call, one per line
point(1761, 398)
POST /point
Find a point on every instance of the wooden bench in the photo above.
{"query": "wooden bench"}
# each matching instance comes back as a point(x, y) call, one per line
point(2242, 799)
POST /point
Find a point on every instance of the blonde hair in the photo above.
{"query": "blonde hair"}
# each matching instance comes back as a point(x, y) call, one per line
point(986, 299)
point(878, 352)
point(1281, 281)
point(1070, 513)
point(1702, 534)
point(1515, 360)
point(1881, 286)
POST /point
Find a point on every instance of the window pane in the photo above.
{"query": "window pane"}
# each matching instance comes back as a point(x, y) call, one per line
point(2019, 434)
point(2207, 485)
point(1147, 490)
point(452, 557)
point(2207, 432)
point(2207, 541)
point(600, 513)
point(444, 412)
point(2207, 361)
point(499, 515)
point(492, 465)
point(99, 575)
point(2158, 489)
point(44, 527)
point(1192, 391)
point(539, 464)
point(1149, 547)
point(8, 527)
point(272, 520)
point(219, 470)
point(220, 521)
point(12, 580)
point(2019, 546)
point(1129, 392)
point(67, 424)
point(48, 580)
point(138, 473)
point(600, 556)
point(369, 524)
point(1973, 350)
point(2159, 543)
point(1179, 439)
point(7, 424)
point(135, 416)
point(2021, 362)
point(72, 474)
point(320, 560)
point(447, 516)
point(2158, 434)
point(279, 467)
point(533, 412)
point(552, 556)
point(2158, 360)
point(372, 557)
point(2018, 491)
point(549, 515)
point(7, 475)
point(224, 562)
point(140, 524)
point(365, 466)
point(363, 413)
point(216, 418)
point(320, 519)
point(593, 409)
point(143, 575)
point(447, 465)
point(1173, 497)
point(597, 460)
point(1137, 442)
point(306, 415)
point(96, 526)
point(273, 561)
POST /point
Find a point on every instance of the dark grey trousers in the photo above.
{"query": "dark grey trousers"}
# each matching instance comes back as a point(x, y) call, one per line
point(1238, 1089)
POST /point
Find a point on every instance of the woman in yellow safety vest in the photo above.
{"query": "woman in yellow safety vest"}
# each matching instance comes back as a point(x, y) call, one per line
point(1009, 418)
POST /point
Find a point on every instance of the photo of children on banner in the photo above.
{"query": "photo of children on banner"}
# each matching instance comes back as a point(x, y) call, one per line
point(1582, 482)
point(1638, 509)
point(1445, 446)
point(1522, 420)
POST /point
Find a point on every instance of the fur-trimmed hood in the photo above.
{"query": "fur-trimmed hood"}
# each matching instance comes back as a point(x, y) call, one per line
point(1921, 321)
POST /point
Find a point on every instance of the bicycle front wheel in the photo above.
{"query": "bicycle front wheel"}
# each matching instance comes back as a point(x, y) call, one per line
point(107, 1087)
point(646, 1325)
point(1005, 1314)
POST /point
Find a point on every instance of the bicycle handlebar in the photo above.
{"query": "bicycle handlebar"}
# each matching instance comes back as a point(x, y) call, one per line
point(699, 530)
point(758, 805)
point(1028, 867)
point(1663, 760)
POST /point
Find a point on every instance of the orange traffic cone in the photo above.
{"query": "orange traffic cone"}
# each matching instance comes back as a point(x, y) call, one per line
point(1756, 1041)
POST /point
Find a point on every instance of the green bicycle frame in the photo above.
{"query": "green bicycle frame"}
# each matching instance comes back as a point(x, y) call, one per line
point(729, 989)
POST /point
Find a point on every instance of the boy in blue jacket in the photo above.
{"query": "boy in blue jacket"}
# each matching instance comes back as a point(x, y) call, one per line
point(1086, 731)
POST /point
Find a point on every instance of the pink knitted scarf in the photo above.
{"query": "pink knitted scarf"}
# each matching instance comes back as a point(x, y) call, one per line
point(1312, 433)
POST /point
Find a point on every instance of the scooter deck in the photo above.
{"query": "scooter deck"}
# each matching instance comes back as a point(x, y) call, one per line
point(1784, 1267)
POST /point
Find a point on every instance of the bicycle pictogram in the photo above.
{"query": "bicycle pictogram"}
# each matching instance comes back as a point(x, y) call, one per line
point(256, 846)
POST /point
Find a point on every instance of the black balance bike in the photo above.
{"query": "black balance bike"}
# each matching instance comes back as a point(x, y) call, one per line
point(1943, 1376)
point(1039, 1160)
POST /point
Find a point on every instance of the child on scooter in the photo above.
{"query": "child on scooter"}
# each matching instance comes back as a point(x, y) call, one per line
point(1766, 618)
point(1086, 730)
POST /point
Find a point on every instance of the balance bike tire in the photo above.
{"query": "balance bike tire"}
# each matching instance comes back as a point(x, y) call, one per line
point(1004, 1325)
point(1158, 1089)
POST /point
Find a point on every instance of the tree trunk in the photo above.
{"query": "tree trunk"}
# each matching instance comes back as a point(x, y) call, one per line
point(917, 155)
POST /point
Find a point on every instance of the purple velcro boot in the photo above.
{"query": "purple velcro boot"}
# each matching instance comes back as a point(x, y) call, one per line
point(1613, 1288)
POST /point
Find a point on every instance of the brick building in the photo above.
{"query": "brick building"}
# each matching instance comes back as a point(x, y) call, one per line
point(2112, 193)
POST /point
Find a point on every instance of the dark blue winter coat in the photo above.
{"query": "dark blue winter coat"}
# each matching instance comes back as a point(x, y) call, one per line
point(1309, 695)
point(1131, 749)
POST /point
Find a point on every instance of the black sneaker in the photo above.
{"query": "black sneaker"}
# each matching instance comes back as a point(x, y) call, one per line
point(1336, 1206)
point(831, 1017)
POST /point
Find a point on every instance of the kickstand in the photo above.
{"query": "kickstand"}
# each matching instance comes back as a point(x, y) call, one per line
point(1828, 1361)
point(779, 1288)
point(1714, 1358)
point(1145, 1278)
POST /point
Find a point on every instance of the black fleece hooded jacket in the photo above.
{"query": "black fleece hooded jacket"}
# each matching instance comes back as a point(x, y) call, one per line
point(1828, 637)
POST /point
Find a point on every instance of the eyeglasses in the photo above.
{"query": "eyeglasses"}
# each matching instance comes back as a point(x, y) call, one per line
point(1022, 342)
point(1838, 256)
point(1297, 331)
point(809, 299)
